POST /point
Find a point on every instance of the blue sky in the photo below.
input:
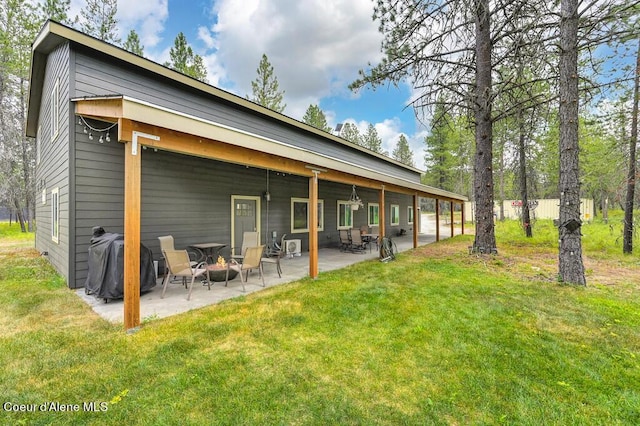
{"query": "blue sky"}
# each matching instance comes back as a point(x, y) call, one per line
point(315, 46)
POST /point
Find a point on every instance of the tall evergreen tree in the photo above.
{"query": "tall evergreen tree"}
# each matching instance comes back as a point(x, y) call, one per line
point(98, 18)
point(371, 140)
point(627, 243)
point(439, 150)
point(56, 10)
point(265, 87)
point(402, 152)
point(316, 118)
point(197, 69)
point(351, 133)
point(132, 44)
point(571, 267)
point(19, 25)
point(184, 60)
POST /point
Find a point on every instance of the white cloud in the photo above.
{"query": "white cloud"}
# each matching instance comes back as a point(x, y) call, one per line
point(209, 40)
point(147, 18)
point(315, 46)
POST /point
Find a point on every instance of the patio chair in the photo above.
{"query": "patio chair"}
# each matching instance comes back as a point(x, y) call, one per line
point(180, 266)
point(275, 259)
point(375, 230)
point(252, 260)
point(166, 243)
point(357, 244)
point(345, 241)
point(249, 239)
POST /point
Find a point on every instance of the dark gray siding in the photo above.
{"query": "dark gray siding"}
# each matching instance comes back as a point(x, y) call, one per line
point(97, 76)
point(53, 168)
point(190, 198)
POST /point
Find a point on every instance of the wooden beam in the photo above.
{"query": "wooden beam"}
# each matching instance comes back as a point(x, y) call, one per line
point(107, 109)
point(462, 218)
point(437, 220)
point(132, 179)
point(416, 224)
point(313, 225)
point(451, 212)
point(381, 214)
point(187, 144)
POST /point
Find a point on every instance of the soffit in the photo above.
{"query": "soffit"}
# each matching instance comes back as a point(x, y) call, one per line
point(122, 107)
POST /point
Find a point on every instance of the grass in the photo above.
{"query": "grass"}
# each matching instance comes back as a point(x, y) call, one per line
point(435, 337)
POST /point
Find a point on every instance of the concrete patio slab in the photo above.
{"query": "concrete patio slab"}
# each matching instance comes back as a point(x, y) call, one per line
point(175, 300)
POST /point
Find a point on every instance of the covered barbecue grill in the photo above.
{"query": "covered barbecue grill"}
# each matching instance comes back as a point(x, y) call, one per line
point(105, 279)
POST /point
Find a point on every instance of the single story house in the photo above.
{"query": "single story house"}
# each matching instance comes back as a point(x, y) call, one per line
point(139, 149)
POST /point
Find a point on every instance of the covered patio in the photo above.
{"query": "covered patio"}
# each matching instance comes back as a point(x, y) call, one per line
point(295, 268)
point(144, 126)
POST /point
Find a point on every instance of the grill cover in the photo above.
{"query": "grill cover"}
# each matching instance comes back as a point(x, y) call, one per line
point(106, 266)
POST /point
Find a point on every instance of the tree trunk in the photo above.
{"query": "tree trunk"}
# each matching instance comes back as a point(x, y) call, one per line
point(526, 216)
point(571, 268)
point(19, 216)
point(501, 182)
point(485, 239)
point(627, 245)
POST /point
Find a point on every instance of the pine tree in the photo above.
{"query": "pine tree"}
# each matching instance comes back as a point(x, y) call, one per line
point(438, 150)
point(371, 140)
point(98, 19)
point(182, 59)
point(56, 10)
point(402, 152)
point(316, 118)
point(197, 68)
point(132, 44)
point(19, 25)
point(571, 267)
point(265, 87)
point(351, 133)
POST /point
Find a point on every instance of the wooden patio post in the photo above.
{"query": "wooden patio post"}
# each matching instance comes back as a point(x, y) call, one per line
point(381, 217)
point(451, 209)
point(313, 225)
point(132, 169)
point(416, 222)
point(437, 220)
point(132, 180)
point(462, 218)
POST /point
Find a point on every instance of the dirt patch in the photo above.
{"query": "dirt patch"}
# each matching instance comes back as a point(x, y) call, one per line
point(534, 263)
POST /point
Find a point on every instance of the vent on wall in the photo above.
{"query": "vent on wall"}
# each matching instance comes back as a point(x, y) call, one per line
point(293, 247)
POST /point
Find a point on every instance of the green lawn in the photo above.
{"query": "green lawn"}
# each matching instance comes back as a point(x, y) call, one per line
point(435, 337)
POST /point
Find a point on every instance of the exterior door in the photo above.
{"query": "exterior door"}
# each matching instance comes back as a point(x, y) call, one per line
point(245, 217)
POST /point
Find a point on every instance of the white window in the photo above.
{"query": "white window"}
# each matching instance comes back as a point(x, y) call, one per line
point(345, 215)
point(374, 214)
point(55, 215)
point(300, 215)
point(55, 110)
point(410, 215)
point(395, 214)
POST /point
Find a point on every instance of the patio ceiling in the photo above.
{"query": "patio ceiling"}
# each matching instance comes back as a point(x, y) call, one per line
point(190, 135)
